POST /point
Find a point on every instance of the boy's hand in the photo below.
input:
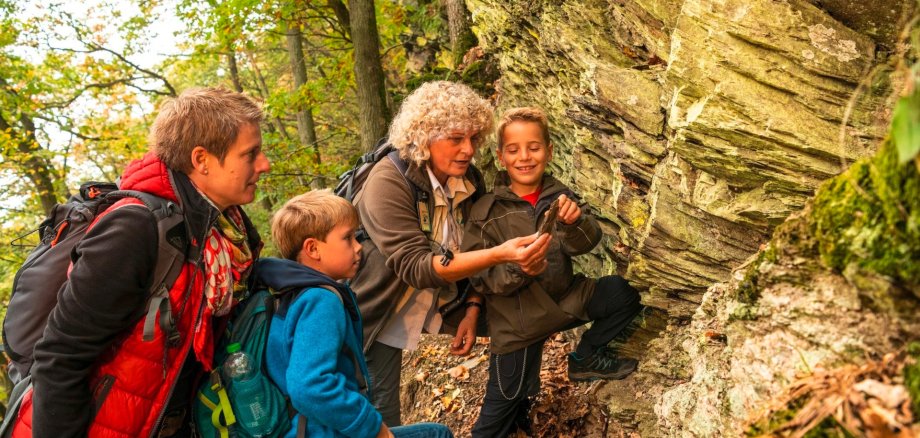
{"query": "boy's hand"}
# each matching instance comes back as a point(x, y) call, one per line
point(528, 252)
point(466, 333)
point(569, 211)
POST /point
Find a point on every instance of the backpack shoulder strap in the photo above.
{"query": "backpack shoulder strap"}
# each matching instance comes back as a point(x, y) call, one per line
point(420, 196)
point(359, 375)
point(355, 177)
point(172, 246)
point(172, 243)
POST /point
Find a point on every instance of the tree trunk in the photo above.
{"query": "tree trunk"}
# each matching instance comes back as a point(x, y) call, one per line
point(458, 23)
point(36, 168)
point(260, 81)
point(342, 15)
point(306, 128)
point(369, 77)
point(234, 71)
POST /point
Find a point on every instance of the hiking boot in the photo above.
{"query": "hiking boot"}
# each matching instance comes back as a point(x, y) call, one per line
point(603, 364)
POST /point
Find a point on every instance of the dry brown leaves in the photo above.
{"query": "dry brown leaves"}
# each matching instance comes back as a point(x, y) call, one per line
point(446, 389)
point(443, 388)
point(868, 400)
point(563, 408)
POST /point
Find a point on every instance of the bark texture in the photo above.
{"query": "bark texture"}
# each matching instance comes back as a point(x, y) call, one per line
point(306, 127)
point(371, 88)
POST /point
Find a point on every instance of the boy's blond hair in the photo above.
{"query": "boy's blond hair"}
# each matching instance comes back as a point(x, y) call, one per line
point(206, 117)
point(523, 114)
point(312, 214)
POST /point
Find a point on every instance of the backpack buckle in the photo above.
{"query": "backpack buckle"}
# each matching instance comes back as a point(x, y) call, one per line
point(175, 338)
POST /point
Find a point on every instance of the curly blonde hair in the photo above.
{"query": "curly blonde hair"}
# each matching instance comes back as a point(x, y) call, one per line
point(433, 111)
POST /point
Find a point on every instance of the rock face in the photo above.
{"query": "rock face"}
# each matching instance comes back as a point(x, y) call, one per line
point(787, 312)
point(694, 128)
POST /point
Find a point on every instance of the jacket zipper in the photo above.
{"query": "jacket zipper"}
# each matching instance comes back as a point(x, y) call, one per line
point(172, 386)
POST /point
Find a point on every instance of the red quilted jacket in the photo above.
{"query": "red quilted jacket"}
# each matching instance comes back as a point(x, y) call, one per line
point(133, 381)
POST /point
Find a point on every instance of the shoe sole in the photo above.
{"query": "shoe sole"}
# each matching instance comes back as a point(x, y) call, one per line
point(589, 376)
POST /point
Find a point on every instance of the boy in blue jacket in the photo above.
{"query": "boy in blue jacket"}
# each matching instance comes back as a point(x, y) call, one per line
point(314, 351)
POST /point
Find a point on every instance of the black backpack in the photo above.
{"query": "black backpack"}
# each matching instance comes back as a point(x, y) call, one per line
point(351, 182)
point(43, 274)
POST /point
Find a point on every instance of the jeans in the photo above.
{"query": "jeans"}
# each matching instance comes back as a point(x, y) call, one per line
point(422, 430)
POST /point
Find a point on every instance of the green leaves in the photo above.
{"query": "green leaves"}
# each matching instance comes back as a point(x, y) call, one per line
point(905, 125)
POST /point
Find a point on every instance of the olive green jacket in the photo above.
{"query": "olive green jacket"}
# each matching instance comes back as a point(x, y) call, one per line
point(522, 309)
point(398, 253)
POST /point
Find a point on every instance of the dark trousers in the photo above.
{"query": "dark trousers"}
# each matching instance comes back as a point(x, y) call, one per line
point(384, 363)
point(614, 305)
point(515, 376)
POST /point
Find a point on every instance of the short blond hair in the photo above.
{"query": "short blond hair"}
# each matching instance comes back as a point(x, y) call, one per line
point(433, 111)
point(312, 214)
point(523, 114)
point(206, 117)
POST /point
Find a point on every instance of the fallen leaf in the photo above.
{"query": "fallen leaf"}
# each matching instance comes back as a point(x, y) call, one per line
point(891, 396)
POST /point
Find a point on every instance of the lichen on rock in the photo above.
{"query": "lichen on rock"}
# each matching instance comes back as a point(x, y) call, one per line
point(695, 128)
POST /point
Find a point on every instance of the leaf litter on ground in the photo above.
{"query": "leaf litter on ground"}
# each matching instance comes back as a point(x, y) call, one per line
point(447, 389)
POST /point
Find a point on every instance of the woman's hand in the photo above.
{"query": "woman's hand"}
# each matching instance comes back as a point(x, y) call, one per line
point(569, 211)
point(466, 333)
point(528, 252)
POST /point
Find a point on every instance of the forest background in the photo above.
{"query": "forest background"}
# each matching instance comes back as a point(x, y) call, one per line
point(694, 128)
point(80, 83)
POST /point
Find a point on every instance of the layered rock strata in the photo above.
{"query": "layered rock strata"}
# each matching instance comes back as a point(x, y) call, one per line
point(693, 128)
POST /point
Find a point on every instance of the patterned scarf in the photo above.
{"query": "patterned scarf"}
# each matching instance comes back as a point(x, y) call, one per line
point(227, 261)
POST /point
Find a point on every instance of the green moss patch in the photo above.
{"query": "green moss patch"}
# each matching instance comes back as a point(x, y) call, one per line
point(748, 291)
point(870, 216)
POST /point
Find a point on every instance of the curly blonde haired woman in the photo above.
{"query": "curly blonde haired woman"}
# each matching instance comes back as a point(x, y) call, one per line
point(413, 220)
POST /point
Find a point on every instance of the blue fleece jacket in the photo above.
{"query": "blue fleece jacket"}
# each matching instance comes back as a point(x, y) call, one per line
point(305, 356)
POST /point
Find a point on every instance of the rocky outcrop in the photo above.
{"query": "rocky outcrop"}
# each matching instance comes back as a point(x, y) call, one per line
point(790, 312)
point(694, 128)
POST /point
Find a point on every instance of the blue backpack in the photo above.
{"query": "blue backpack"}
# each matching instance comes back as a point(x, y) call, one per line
point(217, 404)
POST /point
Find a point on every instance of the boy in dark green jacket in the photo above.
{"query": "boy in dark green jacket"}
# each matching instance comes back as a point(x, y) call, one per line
point(522, 311)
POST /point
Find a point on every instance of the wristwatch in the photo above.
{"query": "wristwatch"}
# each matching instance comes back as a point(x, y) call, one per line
point(447, 255)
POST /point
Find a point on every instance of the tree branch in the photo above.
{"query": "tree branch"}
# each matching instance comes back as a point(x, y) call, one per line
point(71, 131)
point(94, 48)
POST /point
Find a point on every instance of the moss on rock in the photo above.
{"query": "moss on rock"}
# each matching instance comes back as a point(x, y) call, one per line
point(748, 291)
point(870, 216)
